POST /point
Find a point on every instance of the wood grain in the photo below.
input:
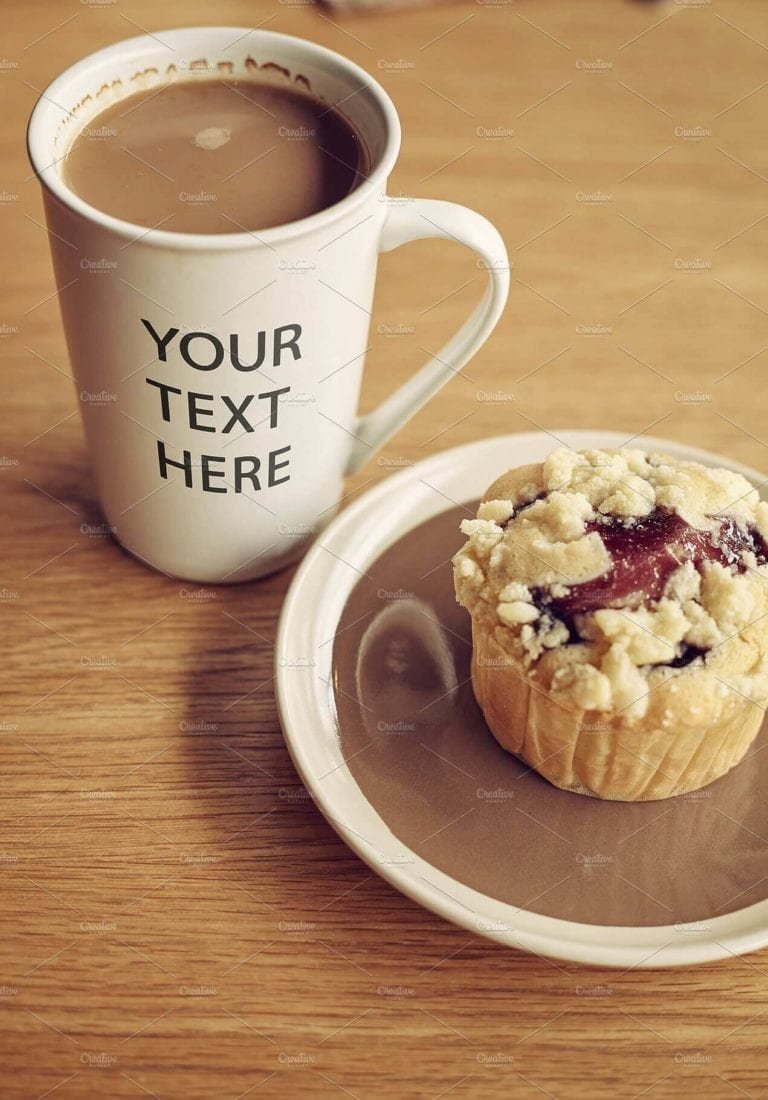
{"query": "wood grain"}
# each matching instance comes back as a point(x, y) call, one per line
point(177, 919)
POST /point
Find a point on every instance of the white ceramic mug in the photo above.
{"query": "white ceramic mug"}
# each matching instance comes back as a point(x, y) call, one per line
point(267, 331)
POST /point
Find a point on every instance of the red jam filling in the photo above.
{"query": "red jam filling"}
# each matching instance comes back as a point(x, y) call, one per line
point(646, 553)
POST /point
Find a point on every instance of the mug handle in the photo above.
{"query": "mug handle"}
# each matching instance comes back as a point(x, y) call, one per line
point(419, 219)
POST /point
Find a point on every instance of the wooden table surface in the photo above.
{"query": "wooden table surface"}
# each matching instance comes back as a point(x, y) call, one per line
point(177, 918)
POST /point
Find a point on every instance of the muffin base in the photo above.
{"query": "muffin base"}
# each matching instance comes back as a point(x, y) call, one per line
point(695, 730)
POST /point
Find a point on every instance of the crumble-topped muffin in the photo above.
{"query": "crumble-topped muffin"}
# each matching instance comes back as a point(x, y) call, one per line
point(619, 605)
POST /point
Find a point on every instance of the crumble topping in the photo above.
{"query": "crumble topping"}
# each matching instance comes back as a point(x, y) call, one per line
point(605, 572)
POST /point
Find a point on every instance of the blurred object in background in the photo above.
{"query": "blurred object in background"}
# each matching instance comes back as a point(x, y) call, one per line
point(378, 5)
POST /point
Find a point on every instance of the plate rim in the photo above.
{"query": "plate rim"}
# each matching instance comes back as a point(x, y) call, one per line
point(618, 946)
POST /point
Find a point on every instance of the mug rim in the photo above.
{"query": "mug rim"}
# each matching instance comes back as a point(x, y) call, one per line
point(46, 108)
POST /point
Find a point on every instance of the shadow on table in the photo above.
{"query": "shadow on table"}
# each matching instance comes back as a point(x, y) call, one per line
point(259, 820)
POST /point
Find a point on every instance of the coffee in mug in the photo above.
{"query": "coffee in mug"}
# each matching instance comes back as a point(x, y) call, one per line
point(216, 156)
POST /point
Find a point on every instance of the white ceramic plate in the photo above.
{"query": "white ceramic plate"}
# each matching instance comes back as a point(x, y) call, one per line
point(307, 710)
